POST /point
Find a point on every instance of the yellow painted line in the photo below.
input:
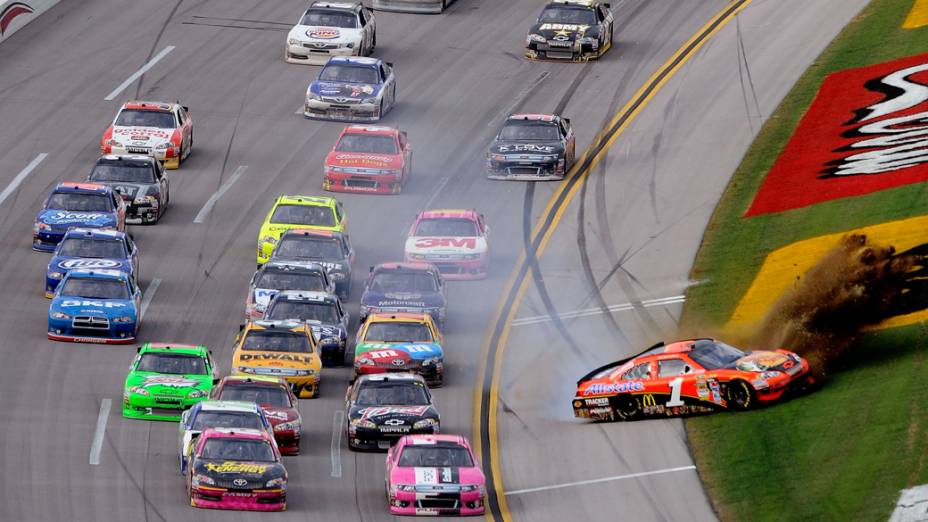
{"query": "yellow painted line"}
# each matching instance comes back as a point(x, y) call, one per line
point(918, 16)
point(784, 266)
point(514, 290)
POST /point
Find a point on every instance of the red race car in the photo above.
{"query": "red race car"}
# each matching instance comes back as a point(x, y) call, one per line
point(374, 160)
point(693, 376)
point(275, 398)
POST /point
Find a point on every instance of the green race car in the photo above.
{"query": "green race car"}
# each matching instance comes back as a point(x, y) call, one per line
point(166, 379)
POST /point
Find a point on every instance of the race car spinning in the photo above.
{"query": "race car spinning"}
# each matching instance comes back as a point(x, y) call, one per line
point(577, 30)
point(694, 376)
point(453, 240)
point(329, 29)
point(376, 160)
point(351, 89)
point(161, 130)
point(532, 147)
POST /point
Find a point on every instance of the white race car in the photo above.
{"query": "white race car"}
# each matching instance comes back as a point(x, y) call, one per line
point(329, 29)
point(161, 130)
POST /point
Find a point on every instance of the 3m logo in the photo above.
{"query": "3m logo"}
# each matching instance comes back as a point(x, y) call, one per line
point(453, 242)
point(866, 131)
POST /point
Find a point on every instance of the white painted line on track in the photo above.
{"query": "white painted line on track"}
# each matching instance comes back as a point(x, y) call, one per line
point(137, 74)
point(211, 202)
point(21, 176)
point(438, 189)
point(599, 480)
point(535, 319)
point(338, 424)
point(97, 445)
point(148, 295)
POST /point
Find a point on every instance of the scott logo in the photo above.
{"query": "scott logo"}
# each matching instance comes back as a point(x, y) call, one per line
point(452, 242)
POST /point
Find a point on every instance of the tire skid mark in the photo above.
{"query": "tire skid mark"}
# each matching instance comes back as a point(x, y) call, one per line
point(154, 45)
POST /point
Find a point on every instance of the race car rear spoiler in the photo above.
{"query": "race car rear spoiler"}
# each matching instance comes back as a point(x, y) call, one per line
point(618, 363)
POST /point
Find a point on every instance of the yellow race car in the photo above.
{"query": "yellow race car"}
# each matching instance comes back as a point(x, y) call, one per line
point(289, 212)
point(284, 349)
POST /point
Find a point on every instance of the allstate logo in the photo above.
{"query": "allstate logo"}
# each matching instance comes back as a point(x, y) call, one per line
point(89, 263)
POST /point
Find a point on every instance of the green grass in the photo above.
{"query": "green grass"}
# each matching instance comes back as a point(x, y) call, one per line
point(843, 452)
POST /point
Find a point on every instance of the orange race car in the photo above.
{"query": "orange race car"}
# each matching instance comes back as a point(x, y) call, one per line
point(693, 376)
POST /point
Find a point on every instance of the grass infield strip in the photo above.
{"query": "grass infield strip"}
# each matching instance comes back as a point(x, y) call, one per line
point(844, 452)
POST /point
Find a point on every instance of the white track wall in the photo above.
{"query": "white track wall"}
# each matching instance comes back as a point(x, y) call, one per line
point(15, 14)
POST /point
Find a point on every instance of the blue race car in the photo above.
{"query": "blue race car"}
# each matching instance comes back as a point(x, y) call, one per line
point(351, 89)
point(415, 287)
point(91, 248)
point(95, 306)
point(73, 204)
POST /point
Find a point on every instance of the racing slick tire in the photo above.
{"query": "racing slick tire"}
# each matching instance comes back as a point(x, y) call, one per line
point(740, 395)
point(625, 408)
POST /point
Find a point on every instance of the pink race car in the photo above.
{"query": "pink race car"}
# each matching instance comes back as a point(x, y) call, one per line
point(236, 468)
point(453, 240)
point(434, 475)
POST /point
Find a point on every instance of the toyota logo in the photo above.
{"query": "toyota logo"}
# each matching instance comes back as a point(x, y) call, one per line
point(398, 362)
point(393, 422)
point(240, 482)
point(341, 100)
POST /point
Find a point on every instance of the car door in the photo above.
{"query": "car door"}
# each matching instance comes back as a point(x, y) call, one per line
point(371, 27)
point(186, 132)
point(606, 20)
point(349, 252)
point(133, 255)
point(567, 133)
point(161, 178)
point(675, 377)
point(386, 73)
point(365, 32)
point(407, 154)
point(120, 207)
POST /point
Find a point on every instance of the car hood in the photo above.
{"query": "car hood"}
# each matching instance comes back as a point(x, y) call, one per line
point(142, 136)
point(80, 306)
point(130, 191)
point(324, 35)
point(564, 32)
point(256, 474)
point(67, 218)
point(379, 414)
point(388, 352)
point(63, 263)
point(436, 476)
point(364, 160)
point(526, 147)
point(762, 361)
point(168, 384)
point(274, 359)
point(403, 299)
point(345, 90)
point(445, 245)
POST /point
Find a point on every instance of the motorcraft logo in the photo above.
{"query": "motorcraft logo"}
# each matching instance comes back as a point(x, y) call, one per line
point(600, 388)
point(89, 263)
point(11, 12)
point(866, 131)
point(236, 467)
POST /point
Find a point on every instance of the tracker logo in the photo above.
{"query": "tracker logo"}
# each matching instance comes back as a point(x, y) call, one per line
point(896, 139)
point(11, 12)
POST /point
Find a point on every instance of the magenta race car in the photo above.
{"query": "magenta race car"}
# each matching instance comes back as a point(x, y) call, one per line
point(453, 240)
point(434, 475)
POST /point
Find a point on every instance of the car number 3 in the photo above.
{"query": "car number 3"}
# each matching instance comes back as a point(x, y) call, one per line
point(675, 386)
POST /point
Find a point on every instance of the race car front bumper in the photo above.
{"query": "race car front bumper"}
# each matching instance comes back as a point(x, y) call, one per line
point(368, 184)
point(322, 110)
point(375, 438)
point(409, 6)
point(428, 501)
point(574, 53)
point(525, 171)
point(64, 330)
point(211, 497)
point(455, 269)
point(288, 441)
point(169, 156)
point(156, 408)
point(310, 53)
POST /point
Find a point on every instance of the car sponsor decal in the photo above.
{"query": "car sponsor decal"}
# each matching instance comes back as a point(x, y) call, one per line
point(263, 295)
point(469, 243)
point(865, 131)
point(367, 160)
point(89, 263)
point(762, 361)
point(784, 266)
point(71, 303)
point(323, 33)
point(11, 12)
point(278, 415)
point(275, 356)
point(230, 466)
point(599, 388)
point(63, 216)
point(526, 147)
point(574, 28)
point(167, 381)
point(380, 411)
point(142, 133)
point(431, 476)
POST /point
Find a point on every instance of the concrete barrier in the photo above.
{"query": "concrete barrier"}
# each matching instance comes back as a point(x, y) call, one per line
point(15, 14)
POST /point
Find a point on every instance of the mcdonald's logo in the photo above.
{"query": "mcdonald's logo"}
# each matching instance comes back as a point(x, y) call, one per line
point(648, 400)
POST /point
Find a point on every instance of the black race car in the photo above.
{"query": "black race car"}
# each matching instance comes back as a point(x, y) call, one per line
point(324, 314)
point(576, 30)
point(532, 147)
point(139, 180)
point(324, 247)
point(381, 408)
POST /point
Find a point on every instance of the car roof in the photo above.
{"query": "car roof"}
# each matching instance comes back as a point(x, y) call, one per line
point(432, 439)
point(299, 199)
point(126, 157)
point(335, 5)
point(381, 130)
point(534, 117)
point(238, 406)
point(262, 324)
point(354, 60)
point(81, 187)
point(189, 349)
point(94, 233)
point(386, 377)
point(456, 213)
point(576, 3)
point(149, 105)
point(238, 433)
point(98, 273)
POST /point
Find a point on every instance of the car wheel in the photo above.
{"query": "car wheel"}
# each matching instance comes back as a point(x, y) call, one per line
point(740, 395)
point(625, 407)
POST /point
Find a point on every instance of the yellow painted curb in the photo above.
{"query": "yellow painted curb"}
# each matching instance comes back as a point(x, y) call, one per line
point(783, 267)
point(918, 16)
